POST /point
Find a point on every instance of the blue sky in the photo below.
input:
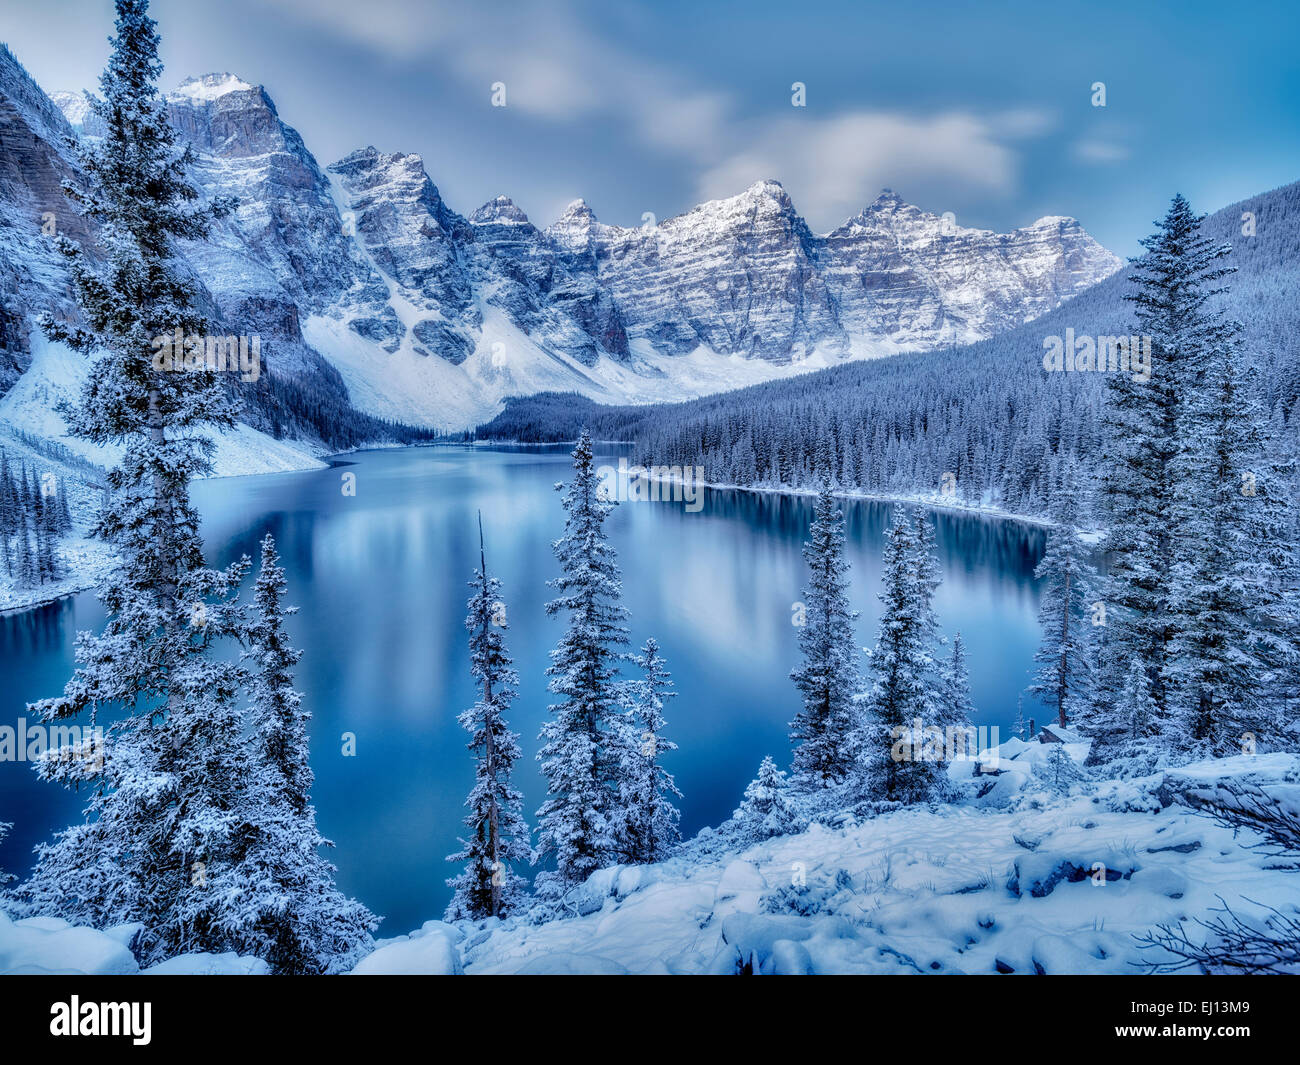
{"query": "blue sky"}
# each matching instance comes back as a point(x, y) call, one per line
point(981, 109)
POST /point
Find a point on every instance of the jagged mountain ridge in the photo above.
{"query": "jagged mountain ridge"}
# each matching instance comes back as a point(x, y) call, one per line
point(426, 316)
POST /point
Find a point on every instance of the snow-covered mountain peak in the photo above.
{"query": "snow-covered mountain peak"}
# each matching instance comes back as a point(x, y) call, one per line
point(577, 215)
point(1055, 221)
point(576, 230)
point(207, 87)
point(500, 210)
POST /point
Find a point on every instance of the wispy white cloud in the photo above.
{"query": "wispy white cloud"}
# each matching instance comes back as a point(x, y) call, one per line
point(1090, 150)
point(831, 167)
point(556, 66)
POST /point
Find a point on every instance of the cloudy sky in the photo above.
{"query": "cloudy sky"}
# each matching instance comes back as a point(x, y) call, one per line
point(985, 110)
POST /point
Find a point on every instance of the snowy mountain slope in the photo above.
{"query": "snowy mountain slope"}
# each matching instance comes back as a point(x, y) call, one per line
point(56, 375)
point(34, 162)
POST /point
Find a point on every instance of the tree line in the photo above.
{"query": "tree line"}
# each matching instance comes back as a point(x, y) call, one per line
point(33, 516)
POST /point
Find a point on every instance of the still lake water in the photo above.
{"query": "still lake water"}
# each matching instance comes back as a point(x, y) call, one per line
point(380, 578)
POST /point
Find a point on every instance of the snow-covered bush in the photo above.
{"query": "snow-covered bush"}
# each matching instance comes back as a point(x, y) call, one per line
point(769, 809)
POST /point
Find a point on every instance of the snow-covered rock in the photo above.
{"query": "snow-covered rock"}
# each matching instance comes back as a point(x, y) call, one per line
point(429, 952)
point(37, 945)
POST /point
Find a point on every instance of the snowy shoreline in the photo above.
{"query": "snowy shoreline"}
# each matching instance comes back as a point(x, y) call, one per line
point(932, 502)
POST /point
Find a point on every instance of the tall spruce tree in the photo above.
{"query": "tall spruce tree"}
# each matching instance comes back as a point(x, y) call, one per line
point(63, 517)
point(10, 511)
point(488, 886)
point(1176, 280)
point(1065, 655)
point(159, 825)
point(827, 679)
point(649, 825)
point(1233, 642)
point(584, 739)
point(285, 906)
point(899, 764)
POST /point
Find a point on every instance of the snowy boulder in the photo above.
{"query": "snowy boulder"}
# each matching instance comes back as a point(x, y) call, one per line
point(1096, 953)
point(589, 896)
point(50, 945)
point(443, 340)
point(739, 888)
point(441, 928)
point(386, 330)
point(633, 878)
point(432, 952)
point(756, 937)
point(228, 964)
point(1038, 874)
point(45, 924)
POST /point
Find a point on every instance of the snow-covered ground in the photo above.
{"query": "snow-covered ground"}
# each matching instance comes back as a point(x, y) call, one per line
point(1042, 884)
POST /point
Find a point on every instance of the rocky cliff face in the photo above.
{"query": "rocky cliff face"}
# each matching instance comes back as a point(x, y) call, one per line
point(34, 162)
point(433, 316)
point(284, 252)
point(445, 265)
point(738, 276)
point(746, 276)
point(918, 280)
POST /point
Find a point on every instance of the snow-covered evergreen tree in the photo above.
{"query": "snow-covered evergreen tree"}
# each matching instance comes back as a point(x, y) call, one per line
point(1233, 642)
point(1021, 727)
point(159, 822)
point(289, 911)
point(584, 739)
point(768, 809)
point(276, 714)
point(1059, 771)
point(1176, 280)
point(827, 678)
point(649, 823)
point(63, 517)
point(954, 709)
point(1065, 655)
point(898, 756)
point(488, 886)
point(10, 512)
